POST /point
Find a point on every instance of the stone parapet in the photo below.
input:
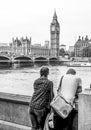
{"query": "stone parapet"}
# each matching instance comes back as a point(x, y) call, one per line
point(14, 112)
point(84, 110)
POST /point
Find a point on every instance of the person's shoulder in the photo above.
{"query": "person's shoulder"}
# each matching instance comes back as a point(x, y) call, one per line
point(78, 77)
point(36, 80)
point(75, 77)
point(49, 81)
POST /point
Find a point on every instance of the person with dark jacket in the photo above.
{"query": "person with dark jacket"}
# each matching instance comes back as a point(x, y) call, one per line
point(40, 102)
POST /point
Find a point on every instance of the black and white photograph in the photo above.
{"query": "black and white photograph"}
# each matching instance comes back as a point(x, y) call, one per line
point(45, 65)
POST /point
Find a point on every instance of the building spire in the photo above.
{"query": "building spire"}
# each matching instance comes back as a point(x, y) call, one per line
point(55, 15)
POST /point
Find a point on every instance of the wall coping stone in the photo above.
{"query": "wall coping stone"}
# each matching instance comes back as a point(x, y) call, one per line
point(86, 91)
point(15, 98)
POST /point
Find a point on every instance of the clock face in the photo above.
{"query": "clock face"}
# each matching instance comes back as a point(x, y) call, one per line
point(53, 28)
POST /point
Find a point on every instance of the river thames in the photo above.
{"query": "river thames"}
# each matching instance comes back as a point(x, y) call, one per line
point(20, 81)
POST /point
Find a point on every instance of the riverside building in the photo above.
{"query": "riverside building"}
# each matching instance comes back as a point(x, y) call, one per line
point(23, 46)
point(80, 45)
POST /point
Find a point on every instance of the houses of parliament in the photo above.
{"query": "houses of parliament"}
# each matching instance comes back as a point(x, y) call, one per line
point(23, 46)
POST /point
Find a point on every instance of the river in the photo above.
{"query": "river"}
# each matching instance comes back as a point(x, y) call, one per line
point(20, 81)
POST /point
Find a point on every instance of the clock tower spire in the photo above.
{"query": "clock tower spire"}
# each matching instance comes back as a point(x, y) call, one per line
point(54, 36)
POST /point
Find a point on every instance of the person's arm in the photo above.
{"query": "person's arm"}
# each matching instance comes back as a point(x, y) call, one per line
point(79, 90)
point(51, 96)
point(52, 92)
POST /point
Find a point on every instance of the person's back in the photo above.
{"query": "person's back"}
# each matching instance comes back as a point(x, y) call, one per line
point(69, 87)
point(41, 97)
point(40, 102)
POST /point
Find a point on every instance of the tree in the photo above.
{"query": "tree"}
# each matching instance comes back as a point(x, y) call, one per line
point(72, 54)
point(62, 52)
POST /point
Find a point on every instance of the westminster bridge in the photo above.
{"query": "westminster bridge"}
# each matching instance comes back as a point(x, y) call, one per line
point(17, 61)
point(24, 58)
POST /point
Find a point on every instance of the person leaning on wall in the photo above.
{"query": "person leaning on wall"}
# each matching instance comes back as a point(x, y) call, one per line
point(40, 102)
point(71, 86)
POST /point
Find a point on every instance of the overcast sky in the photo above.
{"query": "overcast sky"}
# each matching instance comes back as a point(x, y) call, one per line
point(32, 18)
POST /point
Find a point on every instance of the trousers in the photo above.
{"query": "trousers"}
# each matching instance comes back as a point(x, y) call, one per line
point(70, 123)
point(38, 117)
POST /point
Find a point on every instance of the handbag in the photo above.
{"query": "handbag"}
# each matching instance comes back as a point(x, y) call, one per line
point(60, 105)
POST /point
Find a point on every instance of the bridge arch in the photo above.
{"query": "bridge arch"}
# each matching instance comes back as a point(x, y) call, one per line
point(53, 59)
point(22, 61)
point(5, 62)
point(40, 59)
point(3, 57)
point(23, 58)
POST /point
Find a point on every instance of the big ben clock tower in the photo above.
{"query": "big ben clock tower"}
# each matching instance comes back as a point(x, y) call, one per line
point(54, 36)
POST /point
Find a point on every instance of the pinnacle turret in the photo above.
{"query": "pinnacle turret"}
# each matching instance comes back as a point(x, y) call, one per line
point(55, 15)
point(55, 21)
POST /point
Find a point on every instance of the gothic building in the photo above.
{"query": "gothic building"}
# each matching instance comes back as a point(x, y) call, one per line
point(23, 46)
point(80, 45)
point(54, 36)
point(20, 46)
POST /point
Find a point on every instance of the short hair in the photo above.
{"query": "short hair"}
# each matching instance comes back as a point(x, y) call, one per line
point(71, 71)
point(44, 71)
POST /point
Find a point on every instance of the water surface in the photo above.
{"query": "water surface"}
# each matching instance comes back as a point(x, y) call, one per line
point(20, 81)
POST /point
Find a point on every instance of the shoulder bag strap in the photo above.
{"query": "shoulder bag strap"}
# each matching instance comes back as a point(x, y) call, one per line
point(60, 84)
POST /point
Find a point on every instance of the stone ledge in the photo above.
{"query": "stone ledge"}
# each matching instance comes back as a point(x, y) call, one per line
point(14, 108)
point(4, 125)
point(16, 98)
